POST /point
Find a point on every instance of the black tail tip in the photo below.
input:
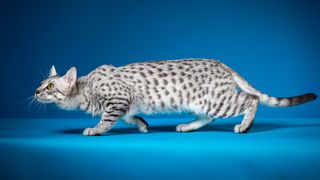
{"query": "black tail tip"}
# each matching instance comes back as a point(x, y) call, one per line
point(311, 96)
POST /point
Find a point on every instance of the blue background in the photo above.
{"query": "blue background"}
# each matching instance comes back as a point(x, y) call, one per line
point(273, 44)
point(55, 149)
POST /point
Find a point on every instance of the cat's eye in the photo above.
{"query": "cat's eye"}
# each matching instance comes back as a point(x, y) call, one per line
point(50, 86)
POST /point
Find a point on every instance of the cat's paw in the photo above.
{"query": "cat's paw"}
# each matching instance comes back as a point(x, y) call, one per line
point(142, 124)
point(143, 128)
point(182, 128)
point(91, 132)
point(240, 129)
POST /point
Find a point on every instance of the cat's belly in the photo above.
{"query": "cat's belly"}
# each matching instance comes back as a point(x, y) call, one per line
point(183, 100)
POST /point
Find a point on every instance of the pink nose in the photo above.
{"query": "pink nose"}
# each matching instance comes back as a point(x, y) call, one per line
point(37, 92)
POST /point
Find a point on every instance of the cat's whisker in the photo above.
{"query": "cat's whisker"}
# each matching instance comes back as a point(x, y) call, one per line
point(28, 98)
point(41, 108)
point(43, 75)
point(36, 105)
point(45, 109)
point(47, 73)
point(29, 102)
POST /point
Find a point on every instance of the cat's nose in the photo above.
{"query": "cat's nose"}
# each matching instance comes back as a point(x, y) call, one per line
point(37, 92)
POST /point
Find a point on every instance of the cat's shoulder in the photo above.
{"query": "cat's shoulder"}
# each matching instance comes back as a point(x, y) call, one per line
point(107, 68)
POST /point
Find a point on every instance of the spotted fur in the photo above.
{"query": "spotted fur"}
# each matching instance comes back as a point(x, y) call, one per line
point(206, 88)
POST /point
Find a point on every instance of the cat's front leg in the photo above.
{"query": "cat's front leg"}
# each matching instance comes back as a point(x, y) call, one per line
point(107, 121)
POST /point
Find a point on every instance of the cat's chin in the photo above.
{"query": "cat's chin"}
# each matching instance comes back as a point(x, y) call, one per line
point(44, 101)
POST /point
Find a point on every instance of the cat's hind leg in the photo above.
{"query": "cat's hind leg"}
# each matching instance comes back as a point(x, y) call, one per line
point(194, 125)
point(138, 121)
point(250, 108)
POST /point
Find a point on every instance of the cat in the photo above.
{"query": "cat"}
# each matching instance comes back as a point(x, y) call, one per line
point(207, 88)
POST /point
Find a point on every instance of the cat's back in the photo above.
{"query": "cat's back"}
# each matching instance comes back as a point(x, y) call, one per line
point(166, 72)
point(173, 65)
point(174, 71)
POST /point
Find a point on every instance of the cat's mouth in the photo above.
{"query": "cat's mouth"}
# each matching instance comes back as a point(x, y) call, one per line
point(42, 100)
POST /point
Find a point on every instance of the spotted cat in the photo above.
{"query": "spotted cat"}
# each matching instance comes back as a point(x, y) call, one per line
point(206, 88)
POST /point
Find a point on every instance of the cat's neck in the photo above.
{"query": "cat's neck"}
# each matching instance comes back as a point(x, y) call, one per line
point(76, 97)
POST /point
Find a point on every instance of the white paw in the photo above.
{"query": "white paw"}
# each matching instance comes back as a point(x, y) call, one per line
point(182, 128)
point(91, 132)
point(239, 129)
point(143, 129)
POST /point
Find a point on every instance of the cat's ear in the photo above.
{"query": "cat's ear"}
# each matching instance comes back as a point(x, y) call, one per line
point(53, 72)
point(70, 77)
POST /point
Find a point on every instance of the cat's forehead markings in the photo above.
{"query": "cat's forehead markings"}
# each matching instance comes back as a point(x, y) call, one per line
point(49, 80)
point(53, 77)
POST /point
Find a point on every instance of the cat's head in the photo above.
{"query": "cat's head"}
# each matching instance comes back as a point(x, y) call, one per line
point(56, 89)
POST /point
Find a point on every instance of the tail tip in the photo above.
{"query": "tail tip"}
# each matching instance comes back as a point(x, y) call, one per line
point(311, 96)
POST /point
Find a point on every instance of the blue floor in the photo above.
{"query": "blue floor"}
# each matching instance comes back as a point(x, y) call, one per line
point(56, 149)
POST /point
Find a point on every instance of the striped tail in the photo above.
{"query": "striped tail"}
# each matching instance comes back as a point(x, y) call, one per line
point(269, 100)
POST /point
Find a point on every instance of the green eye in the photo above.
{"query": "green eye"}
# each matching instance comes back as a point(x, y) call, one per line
point(50, 86)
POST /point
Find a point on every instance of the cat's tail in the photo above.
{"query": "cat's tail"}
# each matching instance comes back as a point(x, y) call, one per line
point(269, 100)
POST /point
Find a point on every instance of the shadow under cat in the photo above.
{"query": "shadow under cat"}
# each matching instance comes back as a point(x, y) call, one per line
point(258, 127)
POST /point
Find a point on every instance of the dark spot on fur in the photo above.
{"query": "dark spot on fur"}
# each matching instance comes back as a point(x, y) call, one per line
point(156, 82)
point(143, 74)
point(173, 81)
point(165, 82)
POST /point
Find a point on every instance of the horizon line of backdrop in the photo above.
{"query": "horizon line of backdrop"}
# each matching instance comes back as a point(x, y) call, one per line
point(272, 44)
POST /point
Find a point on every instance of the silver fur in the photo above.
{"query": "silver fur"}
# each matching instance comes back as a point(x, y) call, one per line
point(207, 88)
